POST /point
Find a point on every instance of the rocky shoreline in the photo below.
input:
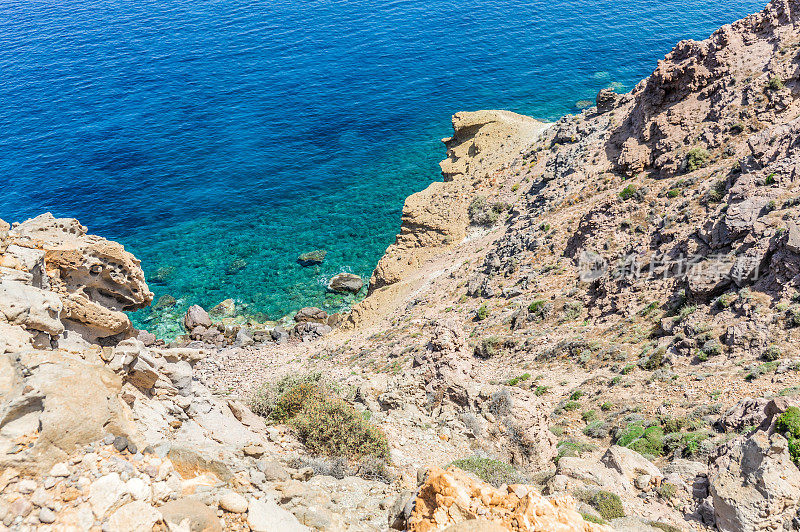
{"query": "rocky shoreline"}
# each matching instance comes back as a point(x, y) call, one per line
point(589, 325)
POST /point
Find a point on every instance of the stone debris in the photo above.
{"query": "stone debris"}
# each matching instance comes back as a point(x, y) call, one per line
point(451, 496)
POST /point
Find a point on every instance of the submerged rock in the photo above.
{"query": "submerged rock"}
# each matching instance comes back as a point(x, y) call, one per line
point(312, 258)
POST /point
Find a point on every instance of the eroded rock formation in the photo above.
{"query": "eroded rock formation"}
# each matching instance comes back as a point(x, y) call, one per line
point(55, 277)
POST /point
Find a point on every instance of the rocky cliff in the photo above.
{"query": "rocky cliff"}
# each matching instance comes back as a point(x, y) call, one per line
point(588, 325)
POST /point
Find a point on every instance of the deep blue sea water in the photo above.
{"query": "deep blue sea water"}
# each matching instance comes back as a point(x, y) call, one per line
point(220, 139)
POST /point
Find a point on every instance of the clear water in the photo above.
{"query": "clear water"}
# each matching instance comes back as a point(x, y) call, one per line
point(220, 139)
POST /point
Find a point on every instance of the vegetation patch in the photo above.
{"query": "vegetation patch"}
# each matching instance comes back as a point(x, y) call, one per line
point(323, 422)
point(488, 347)
point(607, 504)
point(788, 424)
point(627, 193)
point(492, 471)
point(697, 158)
point(482, 212)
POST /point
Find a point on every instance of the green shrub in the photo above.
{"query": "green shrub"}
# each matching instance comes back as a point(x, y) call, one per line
point(627, 192)
point(605, 407)
point(596, 429)
point(589, 416)
point(481, 212)
point(664, 526)
point(334, 428)
point(488, 347)
point(482, 313)
point(494, 472)
point(541, 390)
point(651, 442)
point(712, 348)
point(569, 406)
point(577, 394)
point(793, 315)
point(697, 158)
point(572, 448)
point(794, 450)
point(323, 422)
point(686, 444)
point(738, 127)
point(771, 353)
point(607, 504)
point(667, 490)
point(674, 193)
point(788, 424)
point(631, 433)
point(266, 396)
point(775, 83)
point(589, 518)
point(628, 369)
point(572, 310)
point(539, 308)
point(517, 380)
point(717, 192)
point(295, 400)
point(770, 180)
point(655, 359)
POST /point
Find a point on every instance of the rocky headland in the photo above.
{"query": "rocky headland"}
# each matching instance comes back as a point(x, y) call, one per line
point(589, 325)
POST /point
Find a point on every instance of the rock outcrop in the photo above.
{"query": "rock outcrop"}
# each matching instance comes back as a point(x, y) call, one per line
point(437, 217)
point(452, 497)
point(58, 280)
point(754, 485)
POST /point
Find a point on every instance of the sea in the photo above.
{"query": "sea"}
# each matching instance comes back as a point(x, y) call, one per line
point(220, 139)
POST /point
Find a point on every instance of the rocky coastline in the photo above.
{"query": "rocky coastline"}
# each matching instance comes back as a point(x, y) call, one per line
point(589, 325)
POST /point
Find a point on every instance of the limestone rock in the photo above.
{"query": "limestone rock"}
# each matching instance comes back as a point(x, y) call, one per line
point(106, 493)
point(437, 216)
point(629, 463)
point(746, 413)
point(96, 279)
point(233, 502)
point(189, 514)
point(753, 484)
point(265, 515)
point(32, 308)
point(451, 497)
point(135, 516)
point(63, 389)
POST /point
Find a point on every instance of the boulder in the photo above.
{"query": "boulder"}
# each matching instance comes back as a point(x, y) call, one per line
point(265, 515)
point(55, 388)
point(753, 484)
point(629, 463)
point(136, 516)
point(30, 307)
point(190, 514)
point(196, 317)
point(346, 283)
point(311, 330)
point(224, 309)
point(311, 314)
point(746, 413)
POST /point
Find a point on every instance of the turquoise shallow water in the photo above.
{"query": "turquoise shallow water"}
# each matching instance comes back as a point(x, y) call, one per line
point(220, 139)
